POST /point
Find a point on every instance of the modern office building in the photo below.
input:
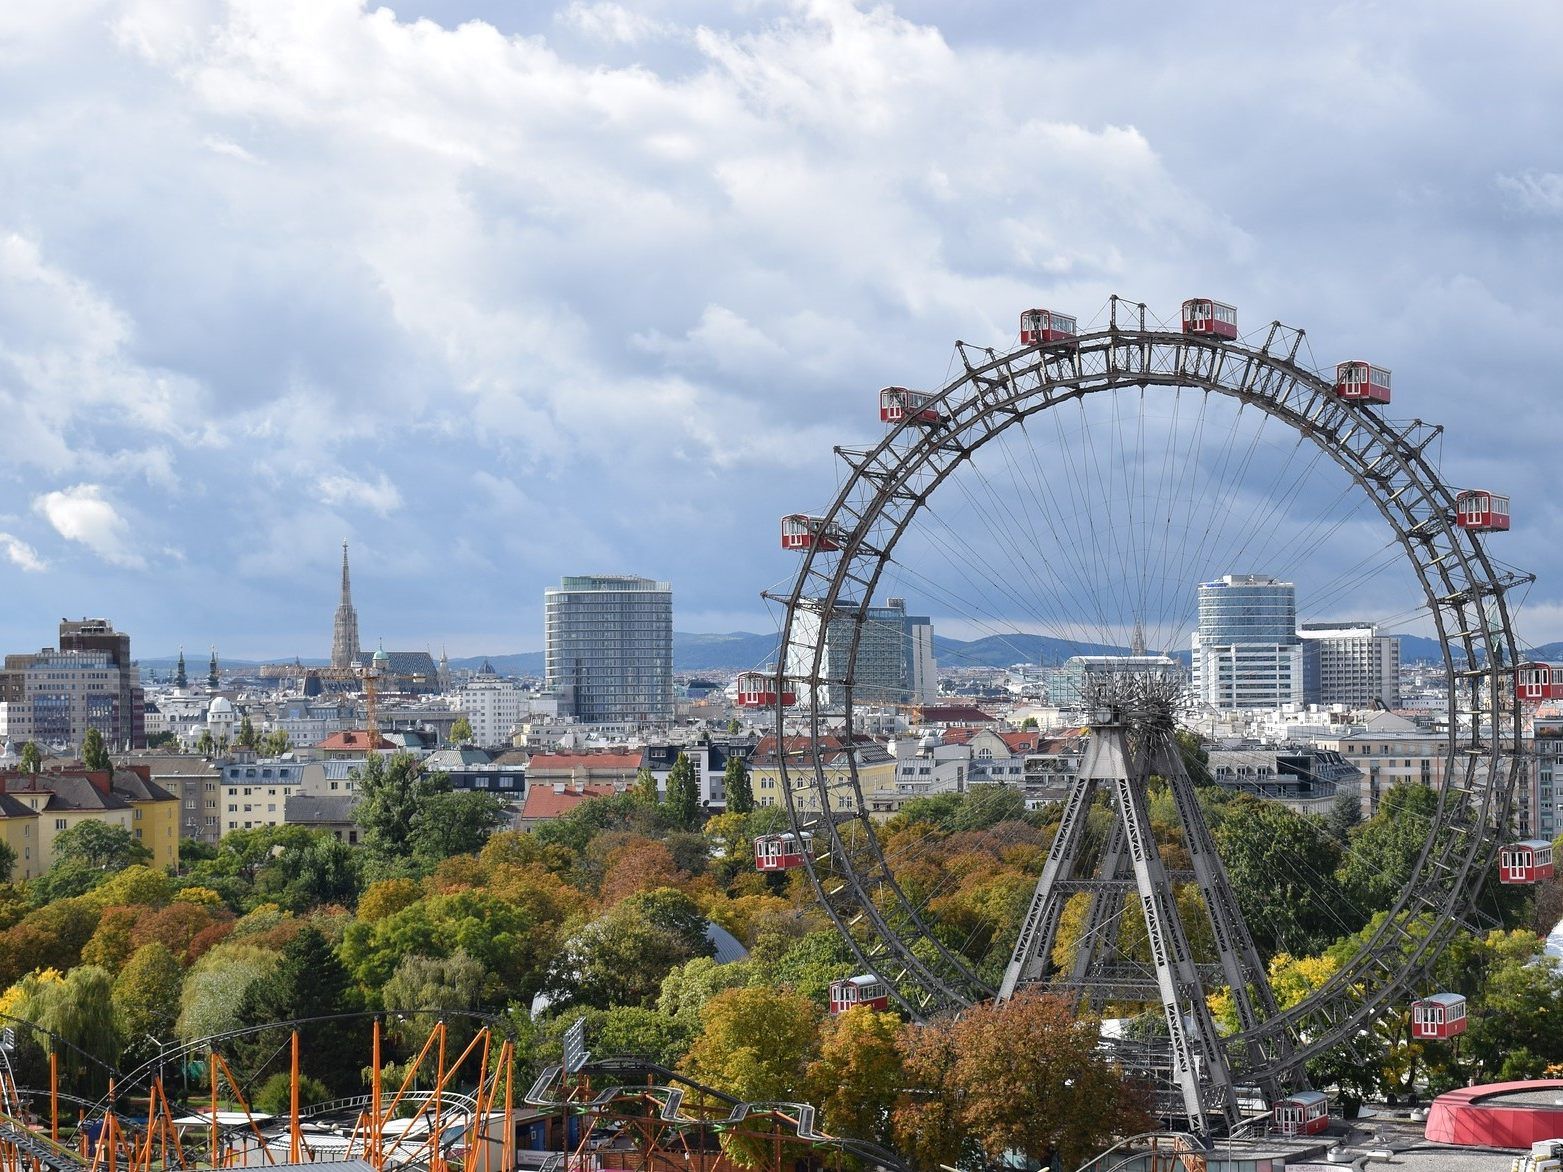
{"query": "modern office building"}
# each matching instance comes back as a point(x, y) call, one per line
point(609, 648)
point(893, 662)
point(1350, 664)
point(1246, 651)
point(1066, 685)
point(55, 695)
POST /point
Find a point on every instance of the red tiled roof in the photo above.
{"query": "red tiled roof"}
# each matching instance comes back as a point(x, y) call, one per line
point(1018, 742)
point(352, 739)
point(953, 714)
point(543, 801)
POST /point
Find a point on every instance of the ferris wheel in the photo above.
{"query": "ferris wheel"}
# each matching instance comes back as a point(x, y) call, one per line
point(1079, 486)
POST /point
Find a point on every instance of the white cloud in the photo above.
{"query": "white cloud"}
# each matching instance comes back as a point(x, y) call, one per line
point(22, 555)
point(609, 22)
point(82, 514)
point(1533, 191)
point(379, 496)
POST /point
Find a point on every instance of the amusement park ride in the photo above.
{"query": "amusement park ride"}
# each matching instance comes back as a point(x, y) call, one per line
point(1208, 1077)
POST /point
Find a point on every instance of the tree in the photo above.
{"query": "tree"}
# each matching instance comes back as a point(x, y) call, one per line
point(735, 784)
point(630, 1031)
point(858, 1075)
point(1025, 1075)
point(79, 1010)
point(1345, 813)
point(435, 983)
point(683, 798)
point(988, 805)
point(1030, 725)
point(7, 861)
point(32, 758)
point(309, 982)
point(1282, 868)
point(275, 743)
point(461, 731)
point(455, 823)
point(644, 788)
point(1385, 848)
point(321, 871)
point(146, 995)
point(100, 845)
point(275, 1095)
point(392, 792)
point(204, 744)
point(216, 986)
point(247, 737)
point(94, 755)
point(755, 1044)
point(621, 957)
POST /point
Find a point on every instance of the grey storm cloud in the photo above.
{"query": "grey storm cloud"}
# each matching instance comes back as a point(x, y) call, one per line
point(502, 292)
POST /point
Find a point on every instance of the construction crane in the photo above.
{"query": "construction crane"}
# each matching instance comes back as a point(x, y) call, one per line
point(367, 674)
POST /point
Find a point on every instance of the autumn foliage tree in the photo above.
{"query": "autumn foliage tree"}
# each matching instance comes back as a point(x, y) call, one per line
point(1021, 1076)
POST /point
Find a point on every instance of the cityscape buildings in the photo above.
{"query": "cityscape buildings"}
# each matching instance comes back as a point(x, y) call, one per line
point(1247, 653)
point(1350, 664)
point(894, 662)
point(55, 695)
point(609, 647)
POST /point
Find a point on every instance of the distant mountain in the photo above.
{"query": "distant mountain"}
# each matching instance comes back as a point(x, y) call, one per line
point(1005, 650)
point(516, 663)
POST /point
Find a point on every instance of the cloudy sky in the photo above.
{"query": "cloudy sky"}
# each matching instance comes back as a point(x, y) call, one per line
point(505, 291)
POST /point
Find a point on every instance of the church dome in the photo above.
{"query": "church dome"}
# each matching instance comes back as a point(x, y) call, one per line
point(220, 707)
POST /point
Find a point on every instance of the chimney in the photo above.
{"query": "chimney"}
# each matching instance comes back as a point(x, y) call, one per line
point(102, 780)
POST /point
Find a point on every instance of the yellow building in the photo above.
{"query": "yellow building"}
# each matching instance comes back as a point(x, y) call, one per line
point(154, 813)
point(19, 831)
point(66, 799)
point(875, 770)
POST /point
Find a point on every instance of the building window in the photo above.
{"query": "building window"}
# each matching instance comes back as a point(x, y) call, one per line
point(59, 824)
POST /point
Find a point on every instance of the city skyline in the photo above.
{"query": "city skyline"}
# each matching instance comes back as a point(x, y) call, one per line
point(199, 415)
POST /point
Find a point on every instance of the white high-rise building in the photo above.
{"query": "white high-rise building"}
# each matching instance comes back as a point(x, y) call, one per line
point(495, 709)
point(1246, 650)
point(1350, 664)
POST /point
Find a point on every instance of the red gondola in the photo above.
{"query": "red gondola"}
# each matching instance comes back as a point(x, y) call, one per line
point(1304, 1113)
point(778, 852)
point(1361, 382)
point(1203, 316)
point(1535, 682)
point(1526, 861)
point(757, 689)
point(1440, 1016)
point(1482, 512)
point(800, 531)
point(864, 989)
point(1046, 325)
point(898, 403)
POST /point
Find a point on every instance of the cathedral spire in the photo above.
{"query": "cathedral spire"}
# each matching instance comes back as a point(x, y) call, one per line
point(1137, 646)
point(344, 628)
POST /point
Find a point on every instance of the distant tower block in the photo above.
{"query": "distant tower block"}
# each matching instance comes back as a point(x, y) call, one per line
point(344, 629)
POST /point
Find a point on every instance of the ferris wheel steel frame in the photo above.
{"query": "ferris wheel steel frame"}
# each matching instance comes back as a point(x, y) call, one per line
point(887, 485)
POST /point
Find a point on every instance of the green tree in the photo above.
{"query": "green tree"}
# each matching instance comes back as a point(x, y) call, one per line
point(988, 805)
point(461, 731)
point(1282, 868)
point(644, 788)
point(735, 784)
point(94, 755)
point(248, 738)
point(146, 996)
point(32, 758)
point(621, 957)
point(455, 823)
point(47, 937)
point(391, 794)
point(755, 1044)
point(204, 744)
point(275, 743)
point(322, 870)
point(100, 845)
point(683, 798)
point(80, 1010)
point(1383, 850)
point(631, 1031)
point(216, 986)
point(1345, 814)
point(421, 984)
point(309, 982)
point(1030, 725)
point(275, 1095)
point(7, 862)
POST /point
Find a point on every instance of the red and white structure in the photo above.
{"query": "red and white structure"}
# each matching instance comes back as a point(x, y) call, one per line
point(759, 689)
point(864, 989)
point(1481, 511)
point(800, 531)
point(1213, 318)
point(1361, 382)
point(1437, 1017)
point(778, 852)
point(1526, 861)
point(1046, 325)
point(898, 403)
point(1304, 1113)
point(1537, 682)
